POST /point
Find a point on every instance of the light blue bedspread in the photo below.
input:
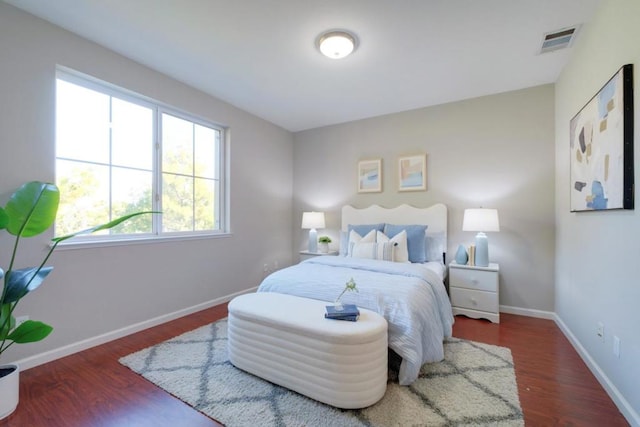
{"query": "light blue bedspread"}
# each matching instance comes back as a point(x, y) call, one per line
point(411, 297)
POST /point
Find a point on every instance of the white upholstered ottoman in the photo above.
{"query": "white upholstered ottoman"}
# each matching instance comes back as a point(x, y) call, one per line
point(286, 340)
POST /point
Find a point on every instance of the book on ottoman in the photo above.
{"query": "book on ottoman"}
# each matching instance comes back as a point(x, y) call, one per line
point(349, 312)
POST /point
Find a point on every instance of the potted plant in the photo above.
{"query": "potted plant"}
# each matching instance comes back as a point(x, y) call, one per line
point(30, 211)
point(323, 244)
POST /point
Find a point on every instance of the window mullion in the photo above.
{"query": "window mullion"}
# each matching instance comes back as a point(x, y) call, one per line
point(157, 171)
point(220, 214)
point(193, 177)
point(111, 218)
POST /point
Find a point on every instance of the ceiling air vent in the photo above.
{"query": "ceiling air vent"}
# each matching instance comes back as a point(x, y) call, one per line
point(558, 39)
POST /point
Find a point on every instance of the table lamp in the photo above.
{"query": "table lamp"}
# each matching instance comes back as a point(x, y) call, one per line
point(481, 220)
point(313, 220)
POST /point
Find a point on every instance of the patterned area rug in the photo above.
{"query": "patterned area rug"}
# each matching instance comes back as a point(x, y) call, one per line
point(475, 385)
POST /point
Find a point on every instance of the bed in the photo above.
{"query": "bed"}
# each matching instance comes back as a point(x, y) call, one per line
point(410, 295)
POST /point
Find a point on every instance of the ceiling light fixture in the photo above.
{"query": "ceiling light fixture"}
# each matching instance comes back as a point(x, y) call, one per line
point(336, 44)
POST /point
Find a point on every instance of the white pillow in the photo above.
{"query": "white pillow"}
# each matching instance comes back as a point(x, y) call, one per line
point(380, 251)
point(344, 243)
point(356, 238)
point(399, 241)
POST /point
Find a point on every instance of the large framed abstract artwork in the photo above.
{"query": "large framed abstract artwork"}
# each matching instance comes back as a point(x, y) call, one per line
point(601, 145)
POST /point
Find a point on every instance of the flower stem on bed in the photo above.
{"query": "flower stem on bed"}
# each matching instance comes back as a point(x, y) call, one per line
point(349, 286)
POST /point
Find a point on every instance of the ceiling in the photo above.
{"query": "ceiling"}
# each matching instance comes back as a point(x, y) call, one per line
point(260, 55)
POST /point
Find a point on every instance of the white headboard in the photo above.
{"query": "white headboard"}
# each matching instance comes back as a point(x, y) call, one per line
point(434, 216)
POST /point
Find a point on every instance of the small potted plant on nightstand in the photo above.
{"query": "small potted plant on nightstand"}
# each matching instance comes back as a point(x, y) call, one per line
point(323, 244)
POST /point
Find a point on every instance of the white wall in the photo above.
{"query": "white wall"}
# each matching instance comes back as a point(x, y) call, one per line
point(95, 291)
point(495, 151)
point(597, 269)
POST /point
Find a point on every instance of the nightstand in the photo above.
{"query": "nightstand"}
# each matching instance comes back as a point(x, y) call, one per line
point(306, 254)
point(475, 291)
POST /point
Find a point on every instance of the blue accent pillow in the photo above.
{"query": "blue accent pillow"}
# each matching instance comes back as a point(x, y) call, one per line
point(364, 229)
point(435, 245)
point(415, 239)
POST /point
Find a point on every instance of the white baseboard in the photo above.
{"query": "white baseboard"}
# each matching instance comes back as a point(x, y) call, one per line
point(623, 405)
point(529, 312)
point(48, 356)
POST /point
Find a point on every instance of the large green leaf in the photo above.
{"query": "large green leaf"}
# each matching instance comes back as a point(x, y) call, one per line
point(4, 219)
point(20, 282)
point(30, 331)
point(100, 227)
point(32, 208)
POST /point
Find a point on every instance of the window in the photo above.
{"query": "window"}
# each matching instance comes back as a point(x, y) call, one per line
point(118, 153)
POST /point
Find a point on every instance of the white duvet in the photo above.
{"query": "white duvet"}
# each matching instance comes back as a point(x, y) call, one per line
point(411, 297)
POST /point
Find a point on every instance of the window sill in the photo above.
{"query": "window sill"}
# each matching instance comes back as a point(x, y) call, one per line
point(72, 244)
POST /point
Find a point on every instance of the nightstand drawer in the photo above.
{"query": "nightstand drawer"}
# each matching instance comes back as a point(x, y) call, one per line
point(476, 300)
point(474, 279)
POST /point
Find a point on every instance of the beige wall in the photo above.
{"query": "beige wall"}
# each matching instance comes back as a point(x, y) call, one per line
point(598, 273)
point(495, 151)
point(99, 290)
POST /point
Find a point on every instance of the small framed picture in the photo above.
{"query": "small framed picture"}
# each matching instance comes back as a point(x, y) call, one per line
point(370, 176)
point(412, 173)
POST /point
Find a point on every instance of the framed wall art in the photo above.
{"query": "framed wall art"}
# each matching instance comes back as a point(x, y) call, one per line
point(601, 148)
point(370, 176)
point(412, 173)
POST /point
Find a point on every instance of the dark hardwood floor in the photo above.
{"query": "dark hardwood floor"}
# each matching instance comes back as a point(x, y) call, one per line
point(555, 386)
point(91, 388)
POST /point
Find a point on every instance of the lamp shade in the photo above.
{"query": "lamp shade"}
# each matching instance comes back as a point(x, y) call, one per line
point(480, 220)
point(313, 220)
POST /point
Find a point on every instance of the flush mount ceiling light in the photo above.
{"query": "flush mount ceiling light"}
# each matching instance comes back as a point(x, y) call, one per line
point(336, 44)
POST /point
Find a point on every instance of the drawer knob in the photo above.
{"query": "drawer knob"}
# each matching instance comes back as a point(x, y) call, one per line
point(473, 301)
point(474, 280)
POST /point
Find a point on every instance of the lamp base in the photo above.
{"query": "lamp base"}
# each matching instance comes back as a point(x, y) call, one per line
point(313, 240)
point(482, 250)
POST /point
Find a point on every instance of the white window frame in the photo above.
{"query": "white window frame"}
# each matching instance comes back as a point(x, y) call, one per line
point(158, 108)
